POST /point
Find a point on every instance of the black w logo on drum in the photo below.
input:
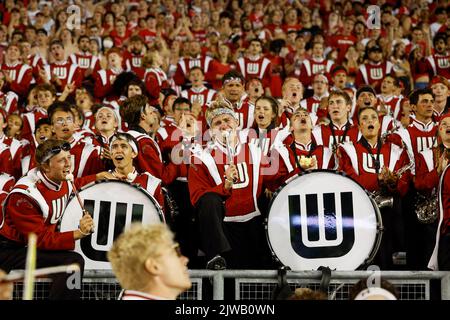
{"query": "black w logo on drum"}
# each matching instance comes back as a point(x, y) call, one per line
point(326, 234)
point(107, 230)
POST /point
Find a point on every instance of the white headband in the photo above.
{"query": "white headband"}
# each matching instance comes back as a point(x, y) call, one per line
point(232, 79)
point(124, 137)
point(375, 291)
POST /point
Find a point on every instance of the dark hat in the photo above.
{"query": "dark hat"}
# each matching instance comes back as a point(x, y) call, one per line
point(365, 88)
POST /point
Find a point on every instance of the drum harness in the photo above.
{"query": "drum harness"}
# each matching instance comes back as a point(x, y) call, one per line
point(338, 140)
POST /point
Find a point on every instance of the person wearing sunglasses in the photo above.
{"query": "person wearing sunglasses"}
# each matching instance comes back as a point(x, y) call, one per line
point(35, 205)
point(148, 263)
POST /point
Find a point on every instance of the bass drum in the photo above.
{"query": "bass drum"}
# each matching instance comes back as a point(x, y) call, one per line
point(323, 218)
point(114, 206)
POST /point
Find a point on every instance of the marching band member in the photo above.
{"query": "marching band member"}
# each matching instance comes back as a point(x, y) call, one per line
point(43, 132)
point(85, 157)
point(177, 141)
point(366, 98)
point(440, 259)
point(340, 128)
point(193, 57)
point(420, 135)
point(375, 165)
point(441, 90)
point(62, 72)
point(292, 91)
point(105, 126)
point(46, 95)
point(149, 264)
point(429, 167)
point(155, 78)
point(18, 75)
point(123, 149)
point(140, 117)
point(255, 64)
point(444, 225)
point(389, 96)
point(375, 69)
point(9, 100)
point(104, 79)
point(432, 162)
point(225, 182)
point(6, 143)
point(35, 205)
point(320, 89)
point(233, 90)
point(299, 152)
point(199, 95)
point(266, 127)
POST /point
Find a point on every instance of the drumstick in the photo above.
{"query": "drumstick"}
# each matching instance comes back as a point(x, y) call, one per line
point(30, 266)
point(38, 273)
point(69, 177)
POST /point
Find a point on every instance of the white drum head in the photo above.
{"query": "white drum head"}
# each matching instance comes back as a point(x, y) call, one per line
point(322, 219)
point(114, 205)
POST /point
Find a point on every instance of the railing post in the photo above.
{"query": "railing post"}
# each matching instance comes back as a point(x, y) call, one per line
point(218, 286)
point(445, 287)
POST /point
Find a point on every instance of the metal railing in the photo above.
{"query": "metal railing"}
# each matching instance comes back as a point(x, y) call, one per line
point(259, 284)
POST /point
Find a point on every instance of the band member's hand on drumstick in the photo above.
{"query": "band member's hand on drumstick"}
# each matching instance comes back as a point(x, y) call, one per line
point(86, 226)
point(231, 175)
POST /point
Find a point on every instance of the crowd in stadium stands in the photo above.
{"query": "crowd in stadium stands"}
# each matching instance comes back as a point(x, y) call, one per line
point(213, 95)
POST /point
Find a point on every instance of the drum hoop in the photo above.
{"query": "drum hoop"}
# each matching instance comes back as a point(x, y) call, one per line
point(134, 185)
point(379, 232)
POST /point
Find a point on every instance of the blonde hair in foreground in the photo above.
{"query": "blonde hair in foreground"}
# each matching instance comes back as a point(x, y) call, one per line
point(132, 248)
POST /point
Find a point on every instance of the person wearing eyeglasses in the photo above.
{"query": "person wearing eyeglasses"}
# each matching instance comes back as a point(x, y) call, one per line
point(85, 156)
point(148, 263)
point(35, 205)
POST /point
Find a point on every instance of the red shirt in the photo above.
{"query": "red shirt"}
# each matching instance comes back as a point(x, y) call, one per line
point(36, 204)
point(356, 161)
point(207, 172)
point(21, 75)
point(217, 68)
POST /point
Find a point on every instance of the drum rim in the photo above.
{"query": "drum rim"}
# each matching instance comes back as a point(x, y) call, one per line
point(379, 232)
point(134, 185)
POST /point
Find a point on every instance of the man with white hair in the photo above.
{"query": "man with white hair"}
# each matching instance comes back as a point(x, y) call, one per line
point(225, 181)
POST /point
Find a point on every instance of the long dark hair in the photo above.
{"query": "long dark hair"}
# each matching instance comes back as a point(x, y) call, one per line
point(274, 105)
